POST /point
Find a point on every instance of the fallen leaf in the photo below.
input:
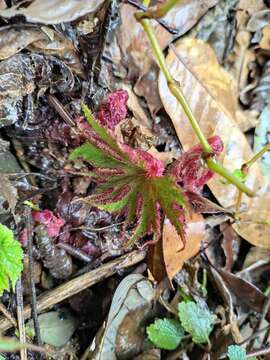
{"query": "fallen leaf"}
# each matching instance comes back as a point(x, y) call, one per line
point(258, 20)
point(130, 307)
point(53, 11)
point(230, 244)
point(260, 94)
point(265, 40)
point(209, 95)
point(56, 327)
point(173, 253)
point(37, 39)
point(240, 58)
point(240, 288)
point(8, 193)
point(15, 38)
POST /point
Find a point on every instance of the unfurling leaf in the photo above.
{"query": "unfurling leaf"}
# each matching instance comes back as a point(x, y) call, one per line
point(236, 352)
point(190, 169)
point(11, 256)
point(195, 320)
point(165, 333)
point(131, 182)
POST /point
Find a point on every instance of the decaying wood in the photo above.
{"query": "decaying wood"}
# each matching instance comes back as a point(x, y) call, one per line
point(78, 284)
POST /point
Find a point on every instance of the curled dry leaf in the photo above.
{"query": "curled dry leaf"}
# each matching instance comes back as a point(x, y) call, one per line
point(53, 11)
point(173, 253)
point(44, 40)
point(208, 91)
point(130, 308)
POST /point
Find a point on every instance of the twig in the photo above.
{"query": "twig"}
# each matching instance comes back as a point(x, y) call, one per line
point(20, 317)
point(58, 107)
point(29, 229)
point(78, 284)
point(146, 14)
point(7, 314)
point(77, 253)
point(259, 323)
point(260, 352)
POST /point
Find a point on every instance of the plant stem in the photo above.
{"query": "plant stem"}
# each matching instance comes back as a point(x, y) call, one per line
point(173, 86)
point(158, 11)
point(178, 94)
point(257, 156)
point(219, 169)
point(245, 169)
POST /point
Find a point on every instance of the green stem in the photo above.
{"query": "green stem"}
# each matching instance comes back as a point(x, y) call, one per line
point(257, 156)
point(178, 94)
point(219, 169)
point(159, 11)
point(174, 88)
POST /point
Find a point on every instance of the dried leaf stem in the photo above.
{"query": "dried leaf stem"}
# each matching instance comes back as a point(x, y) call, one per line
point(178, 94)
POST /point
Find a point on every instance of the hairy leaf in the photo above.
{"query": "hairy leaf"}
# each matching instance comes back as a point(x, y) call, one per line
point(165, 333)
point(236, 352)
point(131, 182)
point(195, 320)
point(11, 256)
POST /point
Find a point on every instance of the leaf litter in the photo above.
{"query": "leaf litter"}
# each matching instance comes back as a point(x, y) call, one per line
point(54, 60)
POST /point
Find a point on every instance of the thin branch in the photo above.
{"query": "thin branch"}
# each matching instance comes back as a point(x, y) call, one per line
point(78, 284)
point(29, 228)
point(20, 317)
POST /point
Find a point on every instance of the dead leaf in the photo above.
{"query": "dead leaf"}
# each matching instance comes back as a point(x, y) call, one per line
point(210, 97)
point(230, 244)
point(260, 94)
point(15, 38)
point(174, 257)
point(265, 40)
point(240, 58)
point(240, 288)
point(37, 39)
point(8, 193)
point(53, 11)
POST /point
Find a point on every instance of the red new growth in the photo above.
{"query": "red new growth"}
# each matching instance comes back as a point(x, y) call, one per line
point(47, 218)
point(190, 170)
point(114, 109)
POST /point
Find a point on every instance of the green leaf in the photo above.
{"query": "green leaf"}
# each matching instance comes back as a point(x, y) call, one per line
point(130, 183)
point(56, 327)
point(236, 352)
point(11, 255)
point(198, 322)
point(95, 156)
point(100, 130)
point(261, 138)
point(165, 333)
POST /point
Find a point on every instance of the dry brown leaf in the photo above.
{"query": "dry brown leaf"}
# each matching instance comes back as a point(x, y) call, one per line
point(240, 58)
point(8, 193)
point(42, 39)
point(53, 11)
point(15, 38)
point(265, 40)
point(174, 257)
point(208, 94)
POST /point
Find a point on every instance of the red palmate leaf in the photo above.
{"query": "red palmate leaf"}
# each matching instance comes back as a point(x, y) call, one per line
point(132, 182)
